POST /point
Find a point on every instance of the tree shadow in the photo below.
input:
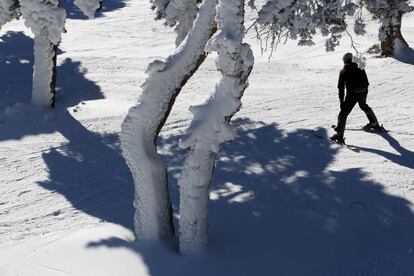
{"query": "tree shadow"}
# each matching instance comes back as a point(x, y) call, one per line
point(278, 209)
point(73, 88)
point(276, 206)
point(73, 12)
point(88, 170)
point(16, 68)
point(404, 157)
point(405, 55)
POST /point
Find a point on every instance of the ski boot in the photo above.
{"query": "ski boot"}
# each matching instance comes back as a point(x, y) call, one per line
point(339, 139)
point(373, 127)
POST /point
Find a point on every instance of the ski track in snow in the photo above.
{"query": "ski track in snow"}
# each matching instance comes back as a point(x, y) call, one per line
point(63, 172)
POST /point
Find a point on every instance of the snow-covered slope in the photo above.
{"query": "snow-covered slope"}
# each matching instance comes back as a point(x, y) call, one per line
point(284, 202)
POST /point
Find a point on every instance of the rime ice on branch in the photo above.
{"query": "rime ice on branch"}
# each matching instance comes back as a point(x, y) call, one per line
point(182, 13)
point(210, 127)
point(281, 20)
point(153, 216)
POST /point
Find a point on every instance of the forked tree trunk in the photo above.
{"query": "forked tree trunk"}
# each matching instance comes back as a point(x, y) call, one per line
point(210, 127)
point(393, 33)
point(153, 212)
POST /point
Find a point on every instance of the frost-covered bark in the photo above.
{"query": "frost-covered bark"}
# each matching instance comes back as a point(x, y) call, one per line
point(153, 216)
point(9, 9)
point(210, 127)
point(46, 20)
point(44, 53)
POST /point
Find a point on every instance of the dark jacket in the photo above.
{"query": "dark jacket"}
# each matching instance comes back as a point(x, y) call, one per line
point(354, 79)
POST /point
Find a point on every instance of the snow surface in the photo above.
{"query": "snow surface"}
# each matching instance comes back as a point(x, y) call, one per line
point(283, 202)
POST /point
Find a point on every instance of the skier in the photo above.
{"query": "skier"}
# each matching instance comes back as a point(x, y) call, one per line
point(356, 82)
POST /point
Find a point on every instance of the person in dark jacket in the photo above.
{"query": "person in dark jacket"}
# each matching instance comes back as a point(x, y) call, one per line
point(356, 83)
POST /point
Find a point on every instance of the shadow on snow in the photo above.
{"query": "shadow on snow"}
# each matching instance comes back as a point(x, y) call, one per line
point(405, 55)
point(88, 170)
point(74, 12)
point(404, 157)
point(277, 209)
point(16, 68)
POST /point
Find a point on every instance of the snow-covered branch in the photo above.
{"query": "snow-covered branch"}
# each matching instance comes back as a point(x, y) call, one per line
point(182, 13)
point(300, 20)
point(178, 13)
point(210, 127)
point(9, 9)
point(145, 120)
point(44, 18)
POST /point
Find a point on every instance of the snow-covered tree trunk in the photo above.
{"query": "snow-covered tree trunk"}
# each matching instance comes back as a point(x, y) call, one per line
point(393, 35)
point(44, 53)
point(46, 20)
point(153, 212)
point(210, 127)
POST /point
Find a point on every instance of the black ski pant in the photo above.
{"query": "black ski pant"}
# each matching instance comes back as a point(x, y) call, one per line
point(351, 100)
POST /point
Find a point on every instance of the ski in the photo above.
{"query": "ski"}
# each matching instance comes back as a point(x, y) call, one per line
point(380, 129)
point(342, 144)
